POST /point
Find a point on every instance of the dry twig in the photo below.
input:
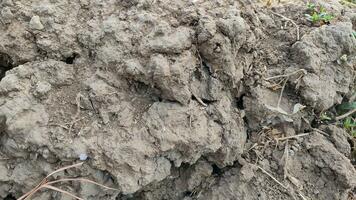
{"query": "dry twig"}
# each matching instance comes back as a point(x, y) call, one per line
point(287, 75)
point(320, 131)
point(345, 115)
point(293, 136)
point(200, 101)
point(288, 19)
point(286, 154)
point(48, 184)
point(278, 182)
point(280, 96)
point(272, 177)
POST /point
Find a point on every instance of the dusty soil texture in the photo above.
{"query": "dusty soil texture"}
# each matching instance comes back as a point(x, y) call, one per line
point(180, 99)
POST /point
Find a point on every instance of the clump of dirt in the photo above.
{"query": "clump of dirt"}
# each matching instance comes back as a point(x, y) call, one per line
point(175, 99)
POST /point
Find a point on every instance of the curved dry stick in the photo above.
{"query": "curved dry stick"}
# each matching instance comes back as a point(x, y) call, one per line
point(35, 189)
point(65, 168)
point(345, 115)
point(288, 19)
point(281, 95)
point(29, 194)
point(60, 190)
point(45, 184)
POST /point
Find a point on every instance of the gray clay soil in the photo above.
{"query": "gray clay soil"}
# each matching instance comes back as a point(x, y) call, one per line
point(175, 99)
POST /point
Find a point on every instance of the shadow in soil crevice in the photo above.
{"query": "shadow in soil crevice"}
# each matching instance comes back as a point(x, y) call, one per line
point(6, 63)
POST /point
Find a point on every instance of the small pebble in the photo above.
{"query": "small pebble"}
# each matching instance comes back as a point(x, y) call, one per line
point(6, 15)
point(83, 156)
point(42, 88)
point(36, 23)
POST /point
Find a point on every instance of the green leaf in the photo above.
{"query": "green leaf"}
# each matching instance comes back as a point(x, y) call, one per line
point(322, 9)
point(324, 116)
point(345, 107)
point(311, 6)
point(327, 17)
point(309, 17)
point(349, 123)
point(318, 13)
point(353, 133)
point(315, 17)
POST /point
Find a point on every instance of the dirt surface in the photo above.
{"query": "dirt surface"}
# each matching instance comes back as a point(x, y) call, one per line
point(175, 99)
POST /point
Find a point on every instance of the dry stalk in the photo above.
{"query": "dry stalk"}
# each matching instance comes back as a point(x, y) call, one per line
point(287, 75)
point(302, 196)
point(282, 90)
point(320, 131)
point(272, 177)
point(35, 189)
point(253, 146)
point(288, 19)
point(278, 182)
point(286, 154)
point(345, 115)
point(200, 101)
point(62, 191)
point(59, 125)
point(48, 184)
point(291, 137)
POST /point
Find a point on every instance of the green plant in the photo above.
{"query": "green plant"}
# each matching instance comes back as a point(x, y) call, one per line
point(345, 107)
point(349, 125)
point(348, 118)
point(324, 116)
point(317, 14)
point(310, 6)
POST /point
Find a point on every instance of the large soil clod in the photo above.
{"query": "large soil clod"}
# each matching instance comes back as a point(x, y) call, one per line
point(175, 99)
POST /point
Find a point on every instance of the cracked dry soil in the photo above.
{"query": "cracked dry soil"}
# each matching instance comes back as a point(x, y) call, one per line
point(175, 99)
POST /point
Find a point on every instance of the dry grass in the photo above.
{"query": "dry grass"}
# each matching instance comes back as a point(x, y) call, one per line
point(45, 184)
